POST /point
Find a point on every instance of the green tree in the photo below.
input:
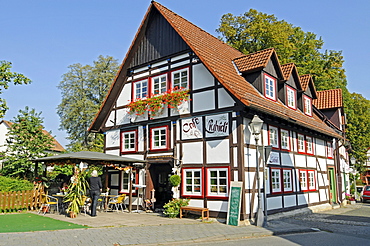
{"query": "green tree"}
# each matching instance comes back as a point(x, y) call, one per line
point(7, 77)
point(83, 90)
point(358, 128)
point(26, 140)
point(254, 31)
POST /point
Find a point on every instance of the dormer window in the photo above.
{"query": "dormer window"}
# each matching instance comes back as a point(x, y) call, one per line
point(307, 105)
point(270, 87)
point(291, 97)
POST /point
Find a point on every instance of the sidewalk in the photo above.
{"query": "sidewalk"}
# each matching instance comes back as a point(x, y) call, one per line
point(144, 229)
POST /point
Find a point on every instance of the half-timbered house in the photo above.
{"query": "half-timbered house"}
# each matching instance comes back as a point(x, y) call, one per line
point(205, 137)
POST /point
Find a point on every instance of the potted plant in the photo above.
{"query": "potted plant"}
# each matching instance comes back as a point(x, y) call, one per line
point(76, 192)
point(175, 181)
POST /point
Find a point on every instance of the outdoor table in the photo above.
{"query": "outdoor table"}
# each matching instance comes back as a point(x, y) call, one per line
point(61, 204)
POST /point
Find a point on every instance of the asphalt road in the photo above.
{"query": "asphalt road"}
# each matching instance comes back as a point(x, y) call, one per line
point(352, 220)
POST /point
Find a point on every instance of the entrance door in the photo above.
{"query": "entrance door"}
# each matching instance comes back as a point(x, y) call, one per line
point(333, 190)
point(160, 174)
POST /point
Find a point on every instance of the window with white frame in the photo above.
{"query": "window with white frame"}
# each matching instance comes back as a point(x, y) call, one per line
point(329, 149)
point(125, 181)
point(307, 180)
point(218, 182)
point(287, 180)
point(159, 84)
point(284, 136)
point(270, 87)
point(180, 78)
point(141, 89)
point(291, 97)
point(309, 145)
point(273, 136)
point(303, 179)
point(275, 180)
point(301, 144)
point(128, 141)
point(192, 182)
point(159, 138)
point(311, 180)
point(307, 105)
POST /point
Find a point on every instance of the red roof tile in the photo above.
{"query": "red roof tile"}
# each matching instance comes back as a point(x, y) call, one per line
point(329, 99)
point(254, 61)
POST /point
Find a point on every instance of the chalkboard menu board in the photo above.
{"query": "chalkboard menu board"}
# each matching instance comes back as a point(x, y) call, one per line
point(235, 196)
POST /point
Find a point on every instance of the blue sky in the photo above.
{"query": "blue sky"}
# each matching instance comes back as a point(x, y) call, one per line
point(43, 37)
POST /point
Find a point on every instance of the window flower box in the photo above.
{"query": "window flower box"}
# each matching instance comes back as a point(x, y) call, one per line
point(154, 105)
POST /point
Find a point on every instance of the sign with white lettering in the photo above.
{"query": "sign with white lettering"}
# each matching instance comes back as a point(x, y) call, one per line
point(217, 125)
point(233, 214)
point(191, 128)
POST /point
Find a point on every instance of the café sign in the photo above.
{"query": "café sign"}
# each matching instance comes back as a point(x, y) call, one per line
point(213, 126)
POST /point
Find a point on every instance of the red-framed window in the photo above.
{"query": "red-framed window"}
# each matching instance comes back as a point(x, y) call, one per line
point(291, 97)
point(125, 181)
point(284, 139)
point(159, 84)
point(309, 145)
point(301, 143)
point(274, 136)
point(180, 78)
point(159, 138)
point(192, 182)
point(129, 141)
point(329, 150)
point(307, 105)
point(281, 180)
point(217, 182)
point(270, 87)
point(307, 180)
point(140, 89)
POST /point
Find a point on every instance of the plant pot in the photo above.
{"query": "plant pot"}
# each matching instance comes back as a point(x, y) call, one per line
point(72, 214)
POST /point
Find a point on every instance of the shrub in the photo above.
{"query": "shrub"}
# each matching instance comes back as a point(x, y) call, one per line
point(175, 180)
point(172, 208)
point(13, 184)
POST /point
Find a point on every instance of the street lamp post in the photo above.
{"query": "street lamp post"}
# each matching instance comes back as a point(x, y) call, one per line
point(256, 127)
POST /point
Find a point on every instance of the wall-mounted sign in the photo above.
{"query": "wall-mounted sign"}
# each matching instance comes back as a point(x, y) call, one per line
point(274, 158)
point(217, 125)
point(192, 128)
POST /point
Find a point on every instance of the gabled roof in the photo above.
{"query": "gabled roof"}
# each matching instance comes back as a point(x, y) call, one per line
point(56, 145)
point(307, 82)
point(329, 99)
point(290, 69)
point(219, 58)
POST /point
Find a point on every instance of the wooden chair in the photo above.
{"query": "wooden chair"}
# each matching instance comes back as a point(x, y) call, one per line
point(47, 202)
point(117, 202)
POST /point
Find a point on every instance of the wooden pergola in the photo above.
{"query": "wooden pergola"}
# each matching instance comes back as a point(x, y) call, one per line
point(92, 158)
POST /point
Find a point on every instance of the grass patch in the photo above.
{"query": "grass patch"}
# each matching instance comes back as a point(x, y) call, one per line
point(32, 222)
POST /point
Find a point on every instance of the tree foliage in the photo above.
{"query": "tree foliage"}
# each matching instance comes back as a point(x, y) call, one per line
point(26, 140)
point(7, 77)
point(358, 128)
point(83, 90)
point(254, 31)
